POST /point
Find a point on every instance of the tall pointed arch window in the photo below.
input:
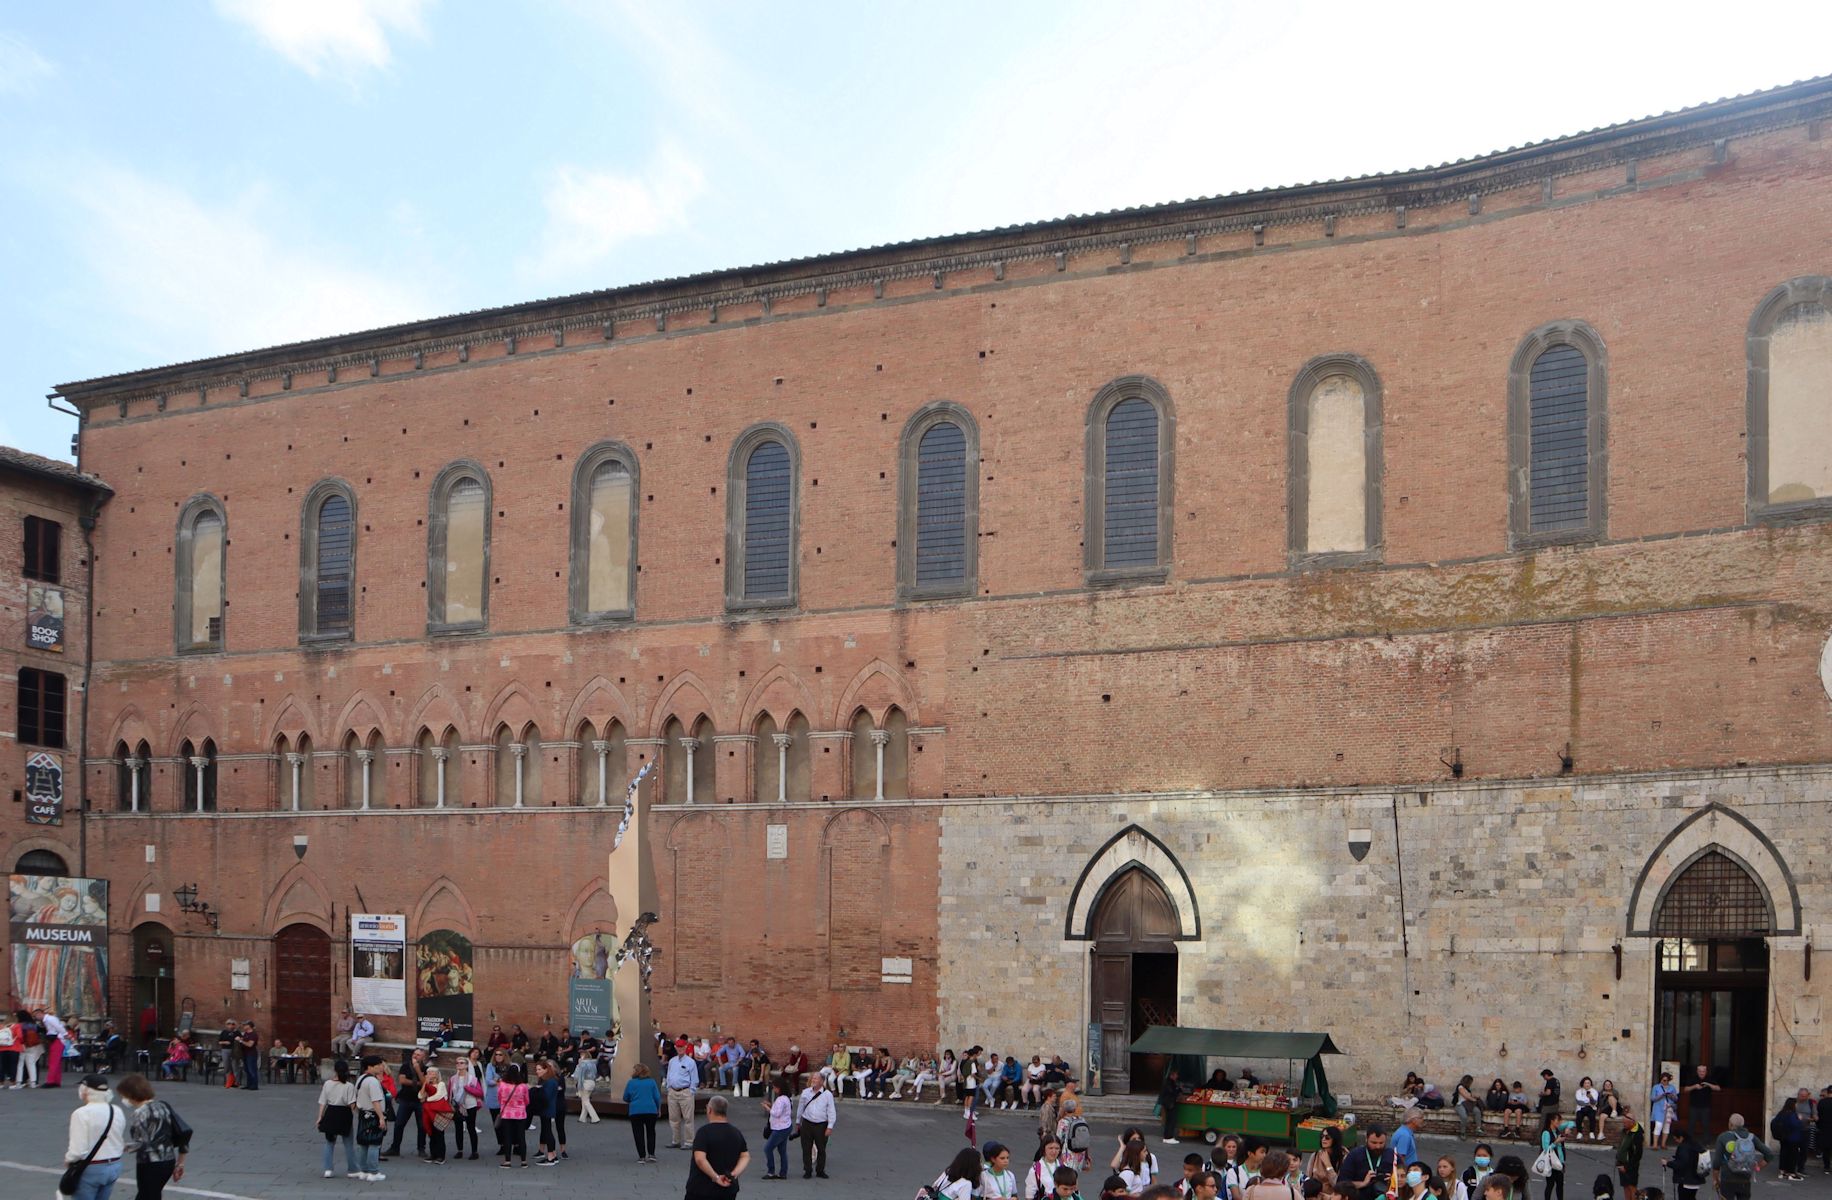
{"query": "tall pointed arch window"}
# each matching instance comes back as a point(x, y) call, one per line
point(200, 603)
point(458, 550)
point(604, 508)
point(1131, 435)
point(938, 482)
point(763, 520)
point(1558, 436)
point(327, 563)
point(1790, 402)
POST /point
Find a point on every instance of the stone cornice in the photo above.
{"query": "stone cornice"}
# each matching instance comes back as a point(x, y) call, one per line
point(648, 306)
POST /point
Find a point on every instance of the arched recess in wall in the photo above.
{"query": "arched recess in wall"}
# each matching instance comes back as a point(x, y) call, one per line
point(856, 857)
point(699, 861)
point(1718, 828)
point(1132, 847)
point(443, 906)
point(593, 911)
point(300, 897)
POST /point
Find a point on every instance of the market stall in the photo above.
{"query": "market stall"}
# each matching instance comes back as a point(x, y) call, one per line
point(1293, 1111)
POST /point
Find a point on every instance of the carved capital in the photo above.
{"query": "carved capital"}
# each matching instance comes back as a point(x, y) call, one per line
point(783, 740)
point(295, 760)
point(690, 744)
point(518, 749)
point(880, 737)
point(440, 754)
point(199, 761)
point(601, 748)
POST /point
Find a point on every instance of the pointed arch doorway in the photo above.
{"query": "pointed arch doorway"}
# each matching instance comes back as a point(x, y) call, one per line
point(1711, 983)
point(1134, 980)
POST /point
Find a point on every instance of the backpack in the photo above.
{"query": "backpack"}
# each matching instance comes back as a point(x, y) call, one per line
point(6, 1036)
point(1075, 1138)
point(28, 1035)
point(1741, 1154)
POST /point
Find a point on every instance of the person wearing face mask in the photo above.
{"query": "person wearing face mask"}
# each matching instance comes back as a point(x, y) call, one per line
point(1415, 1184)
point(1478, 1170)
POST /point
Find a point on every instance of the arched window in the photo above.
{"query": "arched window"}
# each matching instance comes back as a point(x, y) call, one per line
point(437, 759)
point(302, 775)
point(1131, 437)
point(1333, 491)
point(41, 862)
point(327, 563)
point(200, 574)
point(602, 774)
point(458, 550)
point(688, 763)
point(199, 776)
point(1790, 402)
point(762, 490)
point(127, 782)
point(766, 784)
point(357, 776)
point(1558, 436)
point(864, 756)
point(939, 504)
point(880, 756)
point(1713, 897)
point(604, 512)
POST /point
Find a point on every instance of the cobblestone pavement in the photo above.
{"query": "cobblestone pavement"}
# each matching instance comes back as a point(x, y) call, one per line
point(261, 1146)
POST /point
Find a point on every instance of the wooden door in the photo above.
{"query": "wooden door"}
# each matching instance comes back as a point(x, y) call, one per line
point(302, 986)
point(1113, 1009)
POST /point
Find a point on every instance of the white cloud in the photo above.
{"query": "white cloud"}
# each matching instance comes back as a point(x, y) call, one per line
point(194, 279)
point(22, 68)
point(590, 213)
point(320, 35)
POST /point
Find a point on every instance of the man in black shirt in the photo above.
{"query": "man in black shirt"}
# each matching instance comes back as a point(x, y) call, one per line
point(1548, 1099)
point(719, 1156)
point(1368, 1168)
point(1698, 1103)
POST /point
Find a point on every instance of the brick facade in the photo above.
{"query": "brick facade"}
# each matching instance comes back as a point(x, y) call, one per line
point(1682, 641)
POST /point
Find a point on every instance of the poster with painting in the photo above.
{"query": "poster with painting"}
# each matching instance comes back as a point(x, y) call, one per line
point(59, 927)
point(444, 986)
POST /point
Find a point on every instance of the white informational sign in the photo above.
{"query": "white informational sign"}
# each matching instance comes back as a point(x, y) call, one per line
point(776, 841)
point(378, 964)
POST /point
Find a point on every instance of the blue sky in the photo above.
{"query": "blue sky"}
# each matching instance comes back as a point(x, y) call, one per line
point(192, 178)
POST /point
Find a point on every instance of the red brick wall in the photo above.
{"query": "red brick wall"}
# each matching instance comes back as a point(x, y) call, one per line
point(1694, 648)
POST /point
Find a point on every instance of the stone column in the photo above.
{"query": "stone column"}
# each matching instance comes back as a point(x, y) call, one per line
point(879, 739)
point(688, 746)
point(520, 751)
point(602, 749)
point(295, 763)
point(364, 758)
point(783, 742)
point(440, 754)
point(199, 762)
point(134, 766)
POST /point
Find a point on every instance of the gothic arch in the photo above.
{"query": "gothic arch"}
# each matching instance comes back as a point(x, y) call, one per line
point(183, 731)
point(1723, 829)
point(24, 846)
point(299, 897)
point(437, 711)
point(1129, 848)
point(850, 815)
point(291, 718)
point(463, 921)
point(513, 706)
point(666, 707)
point(362, 717)
point(137, 913)
point(599, 702)
point(856, 696)
point(778, 674)
point(129, 718)
point(586, 914)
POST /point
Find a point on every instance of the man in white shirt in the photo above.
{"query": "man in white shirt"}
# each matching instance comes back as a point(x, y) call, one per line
point(57, 1040)
point(681, 1079)
point(361, 1034)
point(96, 1126)
point(817, 1112)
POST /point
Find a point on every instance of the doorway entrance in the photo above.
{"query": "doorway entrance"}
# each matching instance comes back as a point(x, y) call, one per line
point(155, 965)
point(1135, 929)
point(1711, 985)
point(302, 986)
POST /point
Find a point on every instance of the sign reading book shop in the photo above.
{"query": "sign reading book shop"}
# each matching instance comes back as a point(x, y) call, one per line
point(44, 618)
point(44, 789)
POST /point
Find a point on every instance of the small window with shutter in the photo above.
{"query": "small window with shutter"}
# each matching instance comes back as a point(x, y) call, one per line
point(43, 550)
point(336, 561)
point(939, 502)
point(41, 708)
point(1557, 436)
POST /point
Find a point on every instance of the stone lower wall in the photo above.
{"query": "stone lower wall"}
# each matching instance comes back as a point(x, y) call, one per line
point(1477, 934)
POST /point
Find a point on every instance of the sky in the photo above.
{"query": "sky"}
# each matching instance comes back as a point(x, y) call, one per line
point(200, 177)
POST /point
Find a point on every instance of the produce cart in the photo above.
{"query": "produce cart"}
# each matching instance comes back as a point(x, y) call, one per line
point(1288, 1113)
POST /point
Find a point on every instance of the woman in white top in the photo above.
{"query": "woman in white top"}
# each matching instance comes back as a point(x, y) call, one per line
point(1042, 1173)
point(1587, 1098)
point(337, 1118)
point(1032, 1091)
point(1454, 1188)
point(1136, 1166)
point(962, 1175)
point(997, 1181)
point(1133, 1134)
point(948, 1075)
point(925, 1075)
point(466, 1102)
